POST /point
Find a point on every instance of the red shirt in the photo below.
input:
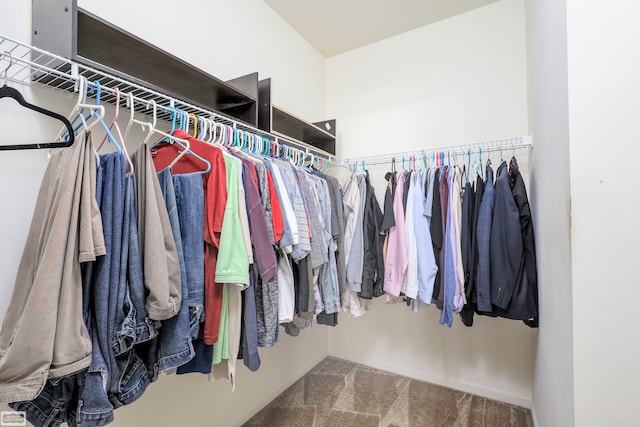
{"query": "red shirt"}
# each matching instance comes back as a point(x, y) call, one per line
point(276, 210)
point(215, 200)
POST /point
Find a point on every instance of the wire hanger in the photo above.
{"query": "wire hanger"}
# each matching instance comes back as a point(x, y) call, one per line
point(9, 92)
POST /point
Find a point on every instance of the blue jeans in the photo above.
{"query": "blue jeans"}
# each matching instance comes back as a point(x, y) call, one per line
point(114, 314)
point(56, 404)
point(114, 325)
point(190, 203)
point(174, 346)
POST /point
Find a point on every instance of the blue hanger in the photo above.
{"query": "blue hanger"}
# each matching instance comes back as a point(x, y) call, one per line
point(174, 119)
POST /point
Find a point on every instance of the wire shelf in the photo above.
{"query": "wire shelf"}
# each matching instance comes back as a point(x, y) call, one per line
point(29, 65)
point(430, 154)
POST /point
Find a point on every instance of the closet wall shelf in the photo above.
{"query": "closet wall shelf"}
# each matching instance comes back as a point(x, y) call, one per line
point(271, 118)
point(29, 65)
point(63, 28)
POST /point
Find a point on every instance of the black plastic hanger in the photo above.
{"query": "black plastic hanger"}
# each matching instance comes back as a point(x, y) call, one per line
point(9, 92)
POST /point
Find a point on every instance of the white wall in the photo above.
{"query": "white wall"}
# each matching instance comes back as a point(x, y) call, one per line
point(234, 38)
point(456, 81)
point(549, 124)
point(229, 39)
point(604, 101)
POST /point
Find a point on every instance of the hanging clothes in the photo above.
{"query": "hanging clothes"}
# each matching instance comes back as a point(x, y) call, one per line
point(427, 267)
point(506, 241)
point(373, 262)
point(444, 211)
point(397, 252)
point(524, 299)
point(43, 334)
point(485, 221)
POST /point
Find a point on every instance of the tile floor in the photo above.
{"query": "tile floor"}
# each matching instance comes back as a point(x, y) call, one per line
point(339, 393)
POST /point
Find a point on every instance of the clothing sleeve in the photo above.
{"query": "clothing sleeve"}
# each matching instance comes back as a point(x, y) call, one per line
point(370, 247)
point(243, 213)
point(264, 255)
point(276, 210)
point(158, 250)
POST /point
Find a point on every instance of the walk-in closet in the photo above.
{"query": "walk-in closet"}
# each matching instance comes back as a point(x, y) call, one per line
point(283, 213)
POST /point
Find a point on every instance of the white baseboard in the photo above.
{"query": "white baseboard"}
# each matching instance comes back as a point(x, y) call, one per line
point(480, 390)
point(276, 391)
point(533, 415)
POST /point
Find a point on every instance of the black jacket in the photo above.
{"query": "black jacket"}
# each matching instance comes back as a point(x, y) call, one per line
point(437, 233)
point(524, 302)
point(373, 264)
point(506, 242)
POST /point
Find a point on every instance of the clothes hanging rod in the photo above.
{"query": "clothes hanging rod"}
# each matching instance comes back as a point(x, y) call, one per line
point(505, 144)
point(29, 65)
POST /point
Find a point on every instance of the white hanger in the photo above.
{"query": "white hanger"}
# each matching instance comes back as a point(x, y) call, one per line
point(77, 111)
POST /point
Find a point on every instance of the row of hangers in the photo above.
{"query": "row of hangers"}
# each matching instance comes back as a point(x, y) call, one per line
point(440, 159)
point(84, 116)
point(204, 129)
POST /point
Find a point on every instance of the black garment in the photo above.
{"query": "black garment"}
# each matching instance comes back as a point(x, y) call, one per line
point(444, 207)
point(373, 263)
point(388, 218)
point(506, 242)
point(436, 229)
point(474, 237)
point(327, 319)
point(301, 285)
point(524, 302)
point(467, 248)
point(469, 309)
point(405, 194)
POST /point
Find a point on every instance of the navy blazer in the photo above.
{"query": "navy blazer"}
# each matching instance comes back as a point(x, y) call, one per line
point(524, 302)
point(506, 241)
point(485, 219)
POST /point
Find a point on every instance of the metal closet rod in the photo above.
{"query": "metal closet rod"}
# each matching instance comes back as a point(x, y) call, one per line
point(30, 65)
point(455, 151)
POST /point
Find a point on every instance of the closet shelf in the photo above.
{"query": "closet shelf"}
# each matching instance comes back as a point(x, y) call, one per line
point(29, 65)
point(277, 120)
point(63, 28)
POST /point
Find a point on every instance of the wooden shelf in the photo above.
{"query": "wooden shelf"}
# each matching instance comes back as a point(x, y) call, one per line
point(272, 118)
point(286, 123)
point(94, 42)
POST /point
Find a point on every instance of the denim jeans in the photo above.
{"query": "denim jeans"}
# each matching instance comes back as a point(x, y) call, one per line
point(117, 375)
point(190, 203)
point(174, 346)
point(57, 404)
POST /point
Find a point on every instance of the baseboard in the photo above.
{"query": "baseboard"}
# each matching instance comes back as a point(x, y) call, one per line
point(488, 392)
point(276, 391)
point(533, 415)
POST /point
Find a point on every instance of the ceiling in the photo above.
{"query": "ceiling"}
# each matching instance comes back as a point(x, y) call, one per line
point(336, 26)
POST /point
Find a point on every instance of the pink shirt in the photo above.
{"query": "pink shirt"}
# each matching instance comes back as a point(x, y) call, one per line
point(395, 266)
